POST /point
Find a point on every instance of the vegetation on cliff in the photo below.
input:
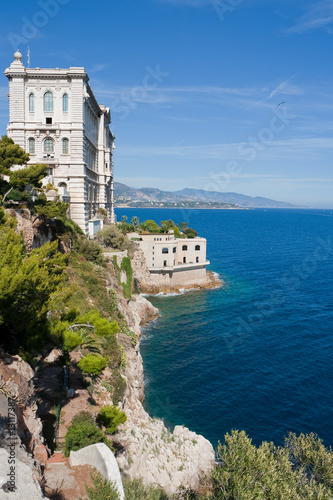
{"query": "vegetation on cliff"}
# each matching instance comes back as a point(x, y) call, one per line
point(69, 301)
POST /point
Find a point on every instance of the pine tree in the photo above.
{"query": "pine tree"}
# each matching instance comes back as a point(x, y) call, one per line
point(27, 283)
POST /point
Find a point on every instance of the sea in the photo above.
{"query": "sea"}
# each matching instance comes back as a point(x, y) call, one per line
point(257, 353)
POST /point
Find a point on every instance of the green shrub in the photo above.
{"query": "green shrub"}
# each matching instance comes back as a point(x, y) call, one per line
point(71, 340)
point(118, 385)
point(51, 209)
point(127, 267)
point(112, 237)
point(102, 489)
point(135, 490)
point(103, 327)
point(190, 233)
point(82, 432)
point(301, 470)
point(308, 453)
point(177, 232)
point(111, 417)
point(91, 250)
point(93, 364)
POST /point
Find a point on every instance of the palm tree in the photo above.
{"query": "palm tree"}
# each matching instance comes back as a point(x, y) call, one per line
point(135, 221)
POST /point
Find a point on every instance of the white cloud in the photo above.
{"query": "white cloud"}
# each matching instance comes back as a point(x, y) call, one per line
point(293, 149)
point(318, 15)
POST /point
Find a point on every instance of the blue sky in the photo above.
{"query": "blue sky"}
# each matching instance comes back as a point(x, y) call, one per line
point(225, 95)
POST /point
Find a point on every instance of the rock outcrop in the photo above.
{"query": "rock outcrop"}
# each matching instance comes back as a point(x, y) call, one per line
point(21, 440)
point(150, 450)
point(35, 232)
point(16, 382)
point(17, 483)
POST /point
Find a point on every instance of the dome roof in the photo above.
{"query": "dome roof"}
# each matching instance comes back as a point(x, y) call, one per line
point(18, 55)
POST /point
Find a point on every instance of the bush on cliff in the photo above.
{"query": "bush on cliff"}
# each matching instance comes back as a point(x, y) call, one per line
point(91, 250)
point(82, 432)
point(102, 489)
point(112, 237)
point(111, 417)
point(301, 470)
point(134, 489)
point(102, 326)
point(93, 364)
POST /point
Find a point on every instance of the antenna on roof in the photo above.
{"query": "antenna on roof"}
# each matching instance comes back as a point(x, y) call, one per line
point(28, 57)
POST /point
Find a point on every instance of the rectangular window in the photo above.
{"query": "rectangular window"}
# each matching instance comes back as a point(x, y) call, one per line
point(48, 121)
point(65, 146)
point(31, 103)
point(65, 103)
point(48, 102)
point(32, 146)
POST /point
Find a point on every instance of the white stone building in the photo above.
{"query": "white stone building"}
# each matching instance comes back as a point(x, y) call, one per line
point(174, 261)
point(54, 116)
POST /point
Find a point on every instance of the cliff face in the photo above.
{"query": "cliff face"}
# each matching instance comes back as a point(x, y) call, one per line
point(151, 451)
point(35, 232)
point(21, 440)
point(148, 449)
point(16, 382)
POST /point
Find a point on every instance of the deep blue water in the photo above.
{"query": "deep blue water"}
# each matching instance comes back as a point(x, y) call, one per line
point(256, 354)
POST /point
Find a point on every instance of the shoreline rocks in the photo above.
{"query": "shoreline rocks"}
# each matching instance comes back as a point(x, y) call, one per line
point(150, 451)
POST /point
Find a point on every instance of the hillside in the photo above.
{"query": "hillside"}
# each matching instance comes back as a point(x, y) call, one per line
point(234, 198)
point(191, 198)
point(155, 198)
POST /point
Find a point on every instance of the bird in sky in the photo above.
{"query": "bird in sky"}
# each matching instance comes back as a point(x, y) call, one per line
point(283, 102)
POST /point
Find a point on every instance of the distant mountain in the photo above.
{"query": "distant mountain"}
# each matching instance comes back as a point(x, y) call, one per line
point(191, 198)
point(234, 198)
point(155, 198)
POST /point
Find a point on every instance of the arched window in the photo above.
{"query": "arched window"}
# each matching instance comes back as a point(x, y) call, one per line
point(65, 146)
point(165, 250)
point(31, 103)
point(32, 146)
point(174, 249)
point(48, 102)
point(184, 247)
point(197, 247)
point(48, 145)
point(65, 103)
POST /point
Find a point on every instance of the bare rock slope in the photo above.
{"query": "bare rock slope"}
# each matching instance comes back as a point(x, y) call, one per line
point(151, 451)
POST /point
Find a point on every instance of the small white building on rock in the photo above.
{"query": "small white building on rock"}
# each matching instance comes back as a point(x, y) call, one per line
point(54, 116)
point(173, 262)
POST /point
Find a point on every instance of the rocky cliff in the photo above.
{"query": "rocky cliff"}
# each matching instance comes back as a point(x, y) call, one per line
point(23, 454)
point(150, 450)
point(146, 448)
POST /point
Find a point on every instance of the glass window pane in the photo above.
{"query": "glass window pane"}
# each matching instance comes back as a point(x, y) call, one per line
point(65, 103)
point(32, 144)
point(48, 145)
point(65, 146)
point(48, 102)
point(31, 103)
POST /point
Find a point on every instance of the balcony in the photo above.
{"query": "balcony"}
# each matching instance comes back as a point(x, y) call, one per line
point(179, 267)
